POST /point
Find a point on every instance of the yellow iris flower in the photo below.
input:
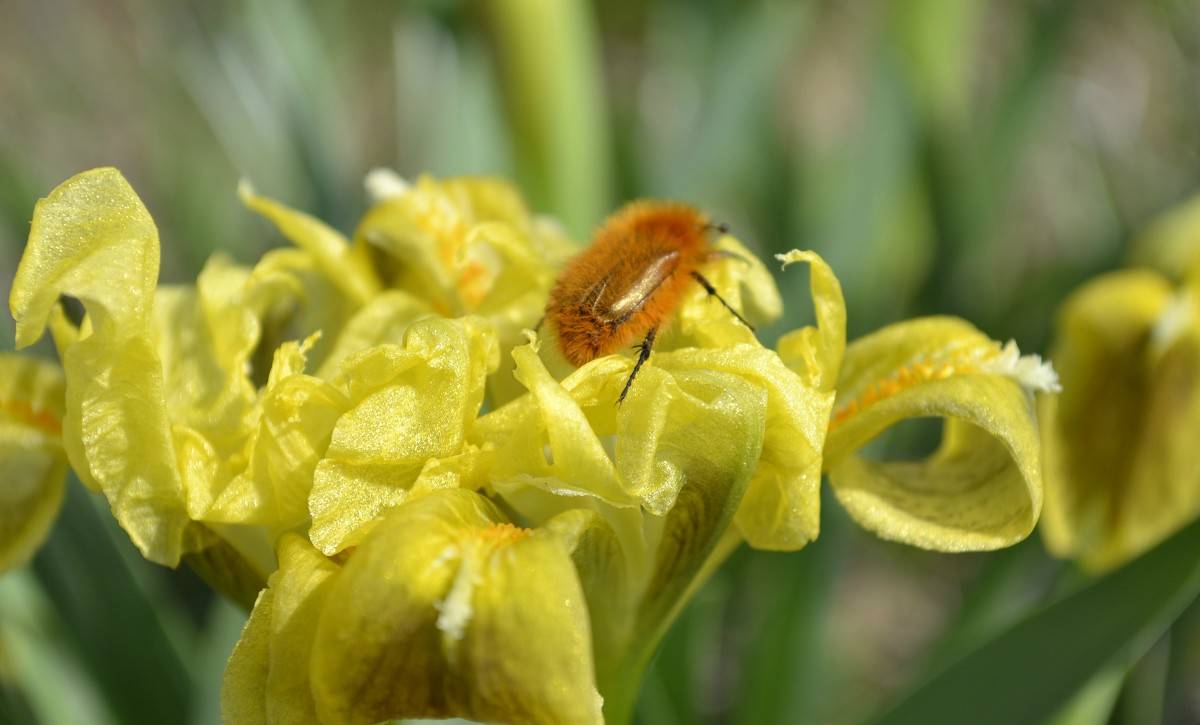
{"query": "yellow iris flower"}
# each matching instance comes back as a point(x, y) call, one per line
point(313, 427)
point(1122, 472)
point(434, 615)
point(982, 488)
point(33, 465)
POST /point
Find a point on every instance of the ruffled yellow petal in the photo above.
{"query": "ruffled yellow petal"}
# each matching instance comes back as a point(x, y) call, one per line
point(1122, 472)
point(293, 432)
point(571, 438)
point(407, 404)
point(267, 679)
point(33, 466)
point(206, 335)
point(347, 266)
point(549, 439)
point(446, 610)
point(92, 239)
point(781, 508)
point(815, 353)
point(466, 246)
point(209, 341)
point(982, 488)
point(383, 320)
point(457, 242)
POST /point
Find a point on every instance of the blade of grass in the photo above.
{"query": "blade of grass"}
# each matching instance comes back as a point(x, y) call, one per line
point(786, 664)
point(1012, 583)
point(54, 687)
point(1093, 705)
point(222, 629)
point(1030, 672)
point(111, 620)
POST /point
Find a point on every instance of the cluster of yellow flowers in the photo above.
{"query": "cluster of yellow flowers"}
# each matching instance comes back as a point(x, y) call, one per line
point(428, 512)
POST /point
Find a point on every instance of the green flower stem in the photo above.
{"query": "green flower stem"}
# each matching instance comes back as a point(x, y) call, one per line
point(547, 56)
point(621, 685)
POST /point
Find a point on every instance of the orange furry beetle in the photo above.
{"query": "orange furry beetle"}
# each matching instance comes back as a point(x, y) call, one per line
point(630, 280)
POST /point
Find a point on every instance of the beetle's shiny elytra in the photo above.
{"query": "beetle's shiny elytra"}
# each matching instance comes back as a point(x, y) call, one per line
point(629, 281)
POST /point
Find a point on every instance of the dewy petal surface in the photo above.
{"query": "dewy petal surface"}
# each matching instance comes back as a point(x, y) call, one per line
point(33, 466)
point(647, 490)
point(1120, 440)
point(407, 405)
point(446, 610)
point(781, 507)
point(982, 488)
point(94, 240)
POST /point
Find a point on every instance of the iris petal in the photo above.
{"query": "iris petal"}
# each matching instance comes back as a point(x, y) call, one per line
point(407, 404)
point(1122, 472)
point(446, 610)
point(33, 466)
point(93, 239)
point(982, 488)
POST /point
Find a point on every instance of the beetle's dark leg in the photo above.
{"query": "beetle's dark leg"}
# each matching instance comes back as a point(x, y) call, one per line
point(712, 291)
point(642, 356)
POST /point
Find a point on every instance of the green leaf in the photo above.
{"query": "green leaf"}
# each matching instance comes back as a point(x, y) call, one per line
point(118, 627)
point(1030, 672)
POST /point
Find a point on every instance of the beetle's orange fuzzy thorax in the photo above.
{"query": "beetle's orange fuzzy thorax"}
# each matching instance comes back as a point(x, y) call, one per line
point(629, 281)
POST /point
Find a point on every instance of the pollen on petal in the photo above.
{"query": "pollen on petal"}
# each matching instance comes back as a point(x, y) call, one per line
point(497, 535)
point(1029, 371)
point(957, 362)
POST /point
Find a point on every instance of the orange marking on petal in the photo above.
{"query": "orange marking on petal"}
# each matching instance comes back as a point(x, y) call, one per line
point(23, 412)
point(909, 376)
point(497, 535)
point(475, 282)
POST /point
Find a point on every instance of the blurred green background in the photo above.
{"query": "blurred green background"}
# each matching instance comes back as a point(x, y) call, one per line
point(944, 156)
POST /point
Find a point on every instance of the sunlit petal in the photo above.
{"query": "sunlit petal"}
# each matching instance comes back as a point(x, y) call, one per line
point(447, 610)
point(982, 488)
